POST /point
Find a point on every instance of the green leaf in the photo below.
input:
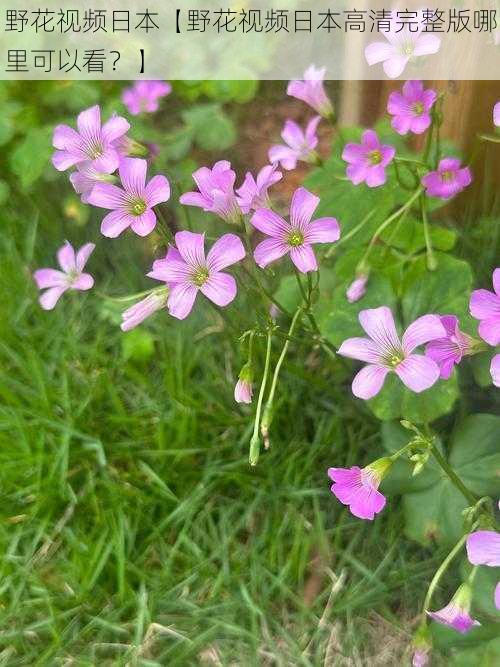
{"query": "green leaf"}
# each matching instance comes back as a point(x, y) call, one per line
point(32, 156)
point(211, 128)
point(435, 512)
point(485, 654)
point(409, 236)
point(138, 345)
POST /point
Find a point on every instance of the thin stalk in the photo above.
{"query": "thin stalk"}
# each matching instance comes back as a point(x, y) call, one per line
point(255, 441)
point(431, 258)
point(350, 234)
point(163, 226)
point(440, 571)
point(454, 478)
point(266, 417)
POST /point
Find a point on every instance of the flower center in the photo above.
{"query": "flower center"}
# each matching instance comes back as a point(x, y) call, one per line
point(394, 359)
point(72, 276)
point(137, 207)
point(200, 276)
point(95, 150)
point(295, 238)
point(418, 108)
point(375, 157)
point(447, 176)
point(407, 49)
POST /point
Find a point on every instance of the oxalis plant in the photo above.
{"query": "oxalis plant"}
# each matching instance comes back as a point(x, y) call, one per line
point(359, 268)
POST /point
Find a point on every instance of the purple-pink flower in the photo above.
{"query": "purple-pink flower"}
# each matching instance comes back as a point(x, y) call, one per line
point(300, 144)
point(449, 350)
point(93, 142)
point(57, 282)
point(312, 91)
point(456, 614)
point(145, 96)
point(132, 204)
point(85, 178)
point(358, 488)
point(216, 191)
point(411, 108)
point(357, 289)
point(187, 271)
point(496, 114)
point(367, 161)
point(495, 370)
point(295, 237)
point(141, 310)
point(384, 352)
point(252, 195)
point(485, 306)
point(401, 46)
point(448, 180)
point(243, 391)
point(483, 548)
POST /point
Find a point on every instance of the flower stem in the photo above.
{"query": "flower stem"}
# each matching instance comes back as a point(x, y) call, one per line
point(255, 441)
point(266, 415)
point(440, 571)
point(163, 226)
point(431, 258)
point(454, 478)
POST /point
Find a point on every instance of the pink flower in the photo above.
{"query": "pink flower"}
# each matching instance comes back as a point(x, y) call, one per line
point(252, 195)
point(300, 145)
point(93, 142)
point(496, 114)
point(71, 276)
point(145, 96)
point(312, 91)
point(141, 310)
point(400, 47)
point(358, 488)
point(357, 289)
point(448, 180)
point(368, 160)
point(449, 350)
point(411, 108)
point(132, 205)
point(456, 613)
point(85, 178)
point(483, 548)
point(243, 390)
point(294, 237)
point(495, 370)
point(420, 658)
point(385, 353)
point(187, 272)
point(485, 306)
point(216, 191)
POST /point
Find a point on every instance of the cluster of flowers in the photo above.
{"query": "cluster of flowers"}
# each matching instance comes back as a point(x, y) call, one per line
point(107, 176)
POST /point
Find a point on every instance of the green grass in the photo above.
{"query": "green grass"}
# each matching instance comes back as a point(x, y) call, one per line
point(133, 530)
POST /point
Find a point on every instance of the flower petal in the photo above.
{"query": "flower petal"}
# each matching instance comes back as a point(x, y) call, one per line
point(225, 251)
point(304, 258)
point(65, 138)
point(489, 330)
point(144, 224)
point(171, 269)
point(418, 372)
point(395, 65)
point(424, 329)
point(483, 548)
point(157, 190)
point(303, 205)
point(286, 156)
point(426, 44)
point(377, 52)
point(363, 349)
point(181, 300)
point(270, 223)
point(496, 281)
point(83, 255)
point(89, 122)
point(379, 325)
point(51, 296)
point(133, 175)
point(191, 247)
point(114, 224)
point(106, 195)
point(49, 278)
point(66, 257)
point(495, 370)
point(292, 135)
point(367, 503)
point(484, 304)
point(369, 381)
point(220, 288)
point(115, 128)
point(84, 282)
point(63, 160)
point(323, 230)
point(269, 251)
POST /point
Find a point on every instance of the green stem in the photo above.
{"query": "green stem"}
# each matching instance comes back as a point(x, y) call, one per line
point(350, 234)
point(255, 441)
point(388, 221)
point(431, 258)
point(163, 226)
point(454, 478)
point(440, 571)
point(266, 416)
